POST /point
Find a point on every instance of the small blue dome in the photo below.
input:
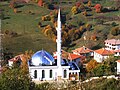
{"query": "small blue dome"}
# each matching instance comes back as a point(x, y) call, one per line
point(42, 58)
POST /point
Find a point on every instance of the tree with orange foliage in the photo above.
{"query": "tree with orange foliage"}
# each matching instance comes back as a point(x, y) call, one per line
point(81, 28)
point(91, 65)
point(88, 27)
point(98, 8)
point(25, 58)
point(40, 3)
point(94, 37)
point(89, 3)
point(24, 65)
point(15, 10)
point(84, 13)
point(74, 10)
point(78, 4)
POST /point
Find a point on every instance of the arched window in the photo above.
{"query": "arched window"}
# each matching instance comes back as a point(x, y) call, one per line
point(50, 73)
point(43, 73)
point(65, 73)
point(35, 74)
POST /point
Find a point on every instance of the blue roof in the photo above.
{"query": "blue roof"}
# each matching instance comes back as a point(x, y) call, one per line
point(42, 58)
point(73, 66)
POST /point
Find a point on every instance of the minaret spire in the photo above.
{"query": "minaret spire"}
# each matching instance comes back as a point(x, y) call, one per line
point(59, 20)
point(59, 58)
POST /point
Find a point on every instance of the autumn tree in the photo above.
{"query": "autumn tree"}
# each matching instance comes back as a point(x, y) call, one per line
point(40, 2)
point(84, 13)
point(46, 18)
point(82, 28)
point(78, 4)
point(91, 65)
point(88, 27)
point(15, 10)
point(98, 8)
point(94, 37)
point(25, 59)
point(89, 3)
point(74, 10)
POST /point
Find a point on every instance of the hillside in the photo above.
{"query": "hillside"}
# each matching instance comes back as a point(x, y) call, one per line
point(84, 27)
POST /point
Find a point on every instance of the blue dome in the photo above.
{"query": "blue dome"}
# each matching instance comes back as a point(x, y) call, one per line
point(42, 58)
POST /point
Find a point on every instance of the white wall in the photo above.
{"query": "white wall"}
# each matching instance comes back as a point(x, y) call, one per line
point(117, 54)
point(118, 68)
point(10, 63)
point(99, 58)
point(109, 46)
point(47, 72)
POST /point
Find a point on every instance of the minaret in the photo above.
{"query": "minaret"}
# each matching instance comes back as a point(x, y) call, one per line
point(58, 28)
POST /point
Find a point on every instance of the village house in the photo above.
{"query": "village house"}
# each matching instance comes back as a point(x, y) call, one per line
point(114, 45)
point(70, 57)
point(102, 54)
point(83, 51)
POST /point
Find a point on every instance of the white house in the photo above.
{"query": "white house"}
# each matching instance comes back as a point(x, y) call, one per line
point(102, 54)
point(112, 44)
point(118, 66)
point(15, 59)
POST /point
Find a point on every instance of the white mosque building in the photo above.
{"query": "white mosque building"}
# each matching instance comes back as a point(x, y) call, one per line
point(43, 66)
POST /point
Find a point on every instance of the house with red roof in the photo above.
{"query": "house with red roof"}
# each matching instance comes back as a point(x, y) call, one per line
point(16, 59)
point(70, 57)
point(114, 45)
point(102, 54)
point(118, 66)
point(75, 58)
point(83, 51)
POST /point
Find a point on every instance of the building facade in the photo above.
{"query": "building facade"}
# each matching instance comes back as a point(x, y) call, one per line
point(102, 54)
point(118, 66)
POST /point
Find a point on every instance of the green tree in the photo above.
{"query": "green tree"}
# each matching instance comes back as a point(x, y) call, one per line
point(106, 68)
point(100, 70)
point(2, 16)
point(14, 79)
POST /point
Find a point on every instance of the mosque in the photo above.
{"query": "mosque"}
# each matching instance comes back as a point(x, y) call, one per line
point(43, 66)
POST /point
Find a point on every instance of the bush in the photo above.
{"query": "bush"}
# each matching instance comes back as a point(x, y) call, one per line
point(14, 79)
point(115, 31)
point(42, 86)
point(2, 16)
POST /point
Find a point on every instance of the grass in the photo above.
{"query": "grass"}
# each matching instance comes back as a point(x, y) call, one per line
point(26, 25)
point(30, 36)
